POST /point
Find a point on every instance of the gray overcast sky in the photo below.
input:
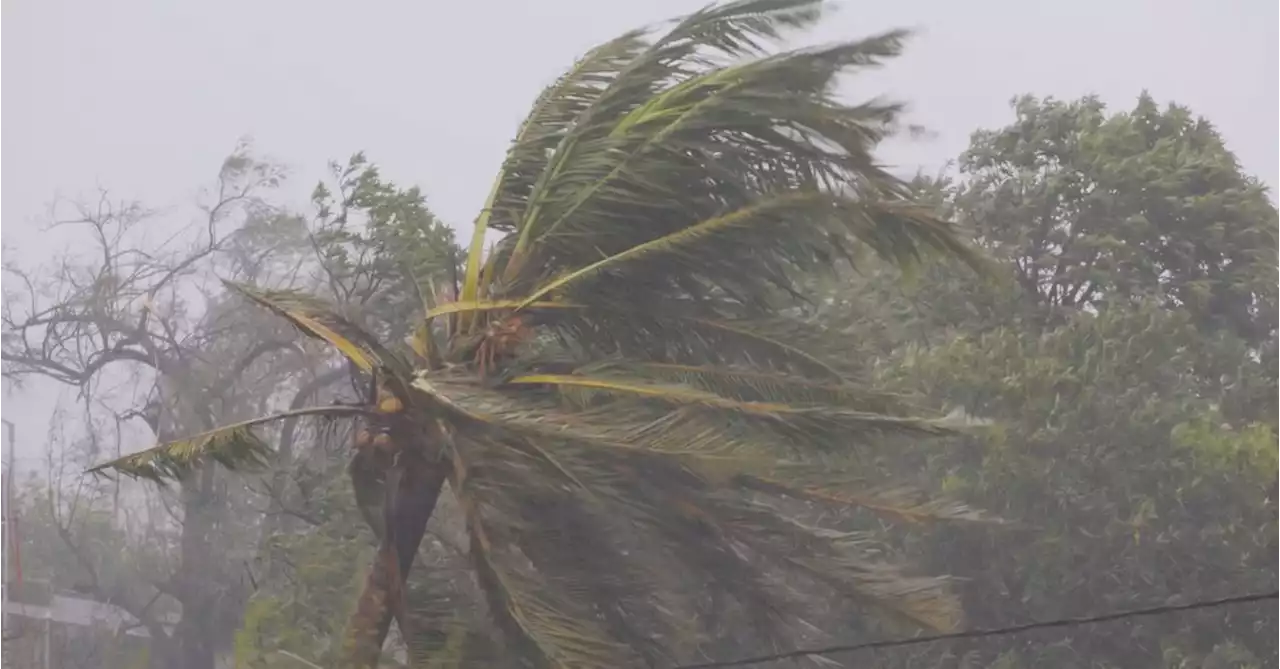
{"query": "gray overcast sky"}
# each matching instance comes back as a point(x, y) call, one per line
point(147, 97)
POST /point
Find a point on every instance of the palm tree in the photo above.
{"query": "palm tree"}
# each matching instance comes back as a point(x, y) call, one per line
point(616, 396)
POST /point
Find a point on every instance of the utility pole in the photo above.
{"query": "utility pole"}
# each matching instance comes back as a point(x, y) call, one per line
point(7, 545)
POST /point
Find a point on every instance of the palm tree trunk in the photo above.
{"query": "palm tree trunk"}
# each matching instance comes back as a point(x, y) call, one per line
point(416, 500)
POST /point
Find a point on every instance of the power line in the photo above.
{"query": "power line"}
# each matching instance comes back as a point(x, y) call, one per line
point(980, 633)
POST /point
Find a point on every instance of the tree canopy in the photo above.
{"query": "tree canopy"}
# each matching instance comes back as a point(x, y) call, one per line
point(1134, 436)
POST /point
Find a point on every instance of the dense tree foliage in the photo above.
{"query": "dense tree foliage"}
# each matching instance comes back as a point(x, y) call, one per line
point(1148, 204)
point(1128, 361)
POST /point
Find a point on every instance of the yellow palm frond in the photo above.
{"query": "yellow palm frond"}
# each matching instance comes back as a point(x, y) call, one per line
point(316, 319)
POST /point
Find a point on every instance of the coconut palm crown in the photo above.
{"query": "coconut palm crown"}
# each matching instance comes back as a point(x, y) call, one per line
point(616, 395)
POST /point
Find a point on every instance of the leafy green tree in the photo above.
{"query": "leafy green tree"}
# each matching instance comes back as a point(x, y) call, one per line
point(381, 250)
point(1126, 355)
point(1094, 208)
point(1133, 486)
point(617, 399)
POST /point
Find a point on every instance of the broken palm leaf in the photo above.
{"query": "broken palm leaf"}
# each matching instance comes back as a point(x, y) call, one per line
point(423, 344)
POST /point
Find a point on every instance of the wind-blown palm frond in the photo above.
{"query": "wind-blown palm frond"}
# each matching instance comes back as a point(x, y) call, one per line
point(317, 319)
point(553, 114)
point(448, 630)
point(721, 150)
point(662, 204)
point(823, 486)
point(626, 401)
point(232, 446)
point(637, 471)
point(655, 515)
point(539, 622)
point(753, 385)
point(684, 333)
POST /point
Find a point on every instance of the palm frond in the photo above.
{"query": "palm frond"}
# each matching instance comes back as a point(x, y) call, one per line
point(677, 332)
point(233, 446)
point(554, 114)
point(475, 306)
point(546, 125)
point(812, 417)
point(680, 332)
point(756, 385)
point(577, 542)
point(698, 104)
point(610, 553)
point(738, 602)
point(833, 560)
point(744, 458)
point(711, 148)
point(677, 246)
point(729, 30)
point(317, 319)
point(901, 503)
point(669, 515)
point(538, 623)
point(673, 420)
point(446, 629)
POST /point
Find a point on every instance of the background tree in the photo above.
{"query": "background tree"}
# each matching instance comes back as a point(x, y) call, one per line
point(1094, 208)
point(140, 334)
point(69, 536)
point(1128, 360)
point(162, 351)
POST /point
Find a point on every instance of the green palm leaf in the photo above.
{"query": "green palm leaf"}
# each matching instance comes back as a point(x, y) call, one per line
point(729, 30)
point(682, 332)
point(543, 627)
point(552, 115)
point(762, 386)
point(811, 418)
point(233, 446)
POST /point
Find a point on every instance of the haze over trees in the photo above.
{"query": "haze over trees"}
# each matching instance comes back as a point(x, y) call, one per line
point(701, 385)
